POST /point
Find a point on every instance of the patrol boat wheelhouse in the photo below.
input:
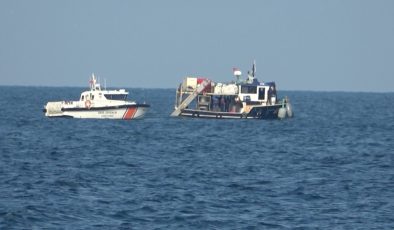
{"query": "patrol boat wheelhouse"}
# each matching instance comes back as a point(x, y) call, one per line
point(97, 103)
point(250, 98)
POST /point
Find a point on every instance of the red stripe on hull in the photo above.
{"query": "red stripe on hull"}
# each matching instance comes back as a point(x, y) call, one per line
point(129, 114)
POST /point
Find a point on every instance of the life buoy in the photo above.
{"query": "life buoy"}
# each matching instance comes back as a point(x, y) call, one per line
point(88, 104)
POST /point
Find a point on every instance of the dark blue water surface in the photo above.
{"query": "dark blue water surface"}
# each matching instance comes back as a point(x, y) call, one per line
point(331, 166)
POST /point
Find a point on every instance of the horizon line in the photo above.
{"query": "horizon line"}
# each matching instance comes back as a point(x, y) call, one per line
point(143, 87)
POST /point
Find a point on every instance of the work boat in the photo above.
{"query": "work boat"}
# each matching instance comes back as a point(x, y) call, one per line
point(97, 103)
point(250, 98)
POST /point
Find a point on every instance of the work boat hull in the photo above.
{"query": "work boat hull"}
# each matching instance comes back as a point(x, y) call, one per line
point(125, 112)
point(258, 112)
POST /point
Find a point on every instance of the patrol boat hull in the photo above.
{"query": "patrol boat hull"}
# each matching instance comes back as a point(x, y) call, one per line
point(125, 112)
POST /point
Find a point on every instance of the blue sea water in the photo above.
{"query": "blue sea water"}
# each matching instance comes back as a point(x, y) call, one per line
point(330, 167)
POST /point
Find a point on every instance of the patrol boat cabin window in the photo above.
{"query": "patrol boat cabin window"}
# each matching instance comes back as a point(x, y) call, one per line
point(115, 96)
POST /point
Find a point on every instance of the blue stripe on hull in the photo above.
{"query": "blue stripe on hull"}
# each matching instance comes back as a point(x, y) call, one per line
point(262, 112)
point(265, 112)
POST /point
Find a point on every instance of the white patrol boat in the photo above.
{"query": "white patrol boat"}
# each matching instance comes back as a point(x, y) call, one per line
point(203, 98)
point(97, 103)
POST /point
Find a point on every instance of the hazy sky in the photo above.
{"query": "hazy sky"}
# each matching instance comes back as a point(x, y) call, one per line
point(345, 45)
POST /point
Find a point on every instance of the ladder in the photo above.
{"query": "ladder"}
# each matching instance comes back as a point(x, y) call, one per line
point(190, 98)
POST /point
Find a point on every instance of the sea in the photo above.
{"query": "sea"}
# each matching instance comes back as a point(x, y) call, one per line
point(329, 167)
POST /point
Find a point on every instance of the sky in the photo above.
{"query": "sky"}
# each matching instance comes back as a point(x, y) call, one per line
point(318, 45)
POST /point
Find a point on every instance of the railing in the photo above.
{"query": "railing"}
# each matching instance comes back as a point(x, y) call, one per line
point(190, 98)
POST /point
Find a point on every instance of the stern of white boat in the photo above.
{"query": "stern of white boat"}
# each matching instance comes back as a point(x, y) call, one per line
point(53, 109)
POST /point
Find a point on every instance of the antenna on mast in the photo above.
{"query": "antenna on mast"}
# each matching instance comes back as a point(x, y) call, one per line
point(92, 81)
point(254, 68)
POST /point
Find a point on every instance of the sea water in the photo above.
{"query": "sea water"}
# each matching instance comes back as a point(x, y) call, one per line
point(331, 166)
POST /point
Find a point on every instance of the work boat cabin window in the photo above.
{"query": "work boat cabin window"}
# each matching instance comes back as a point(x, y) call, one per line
point(261, 93)
point(121, 97)
point(246, 89)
